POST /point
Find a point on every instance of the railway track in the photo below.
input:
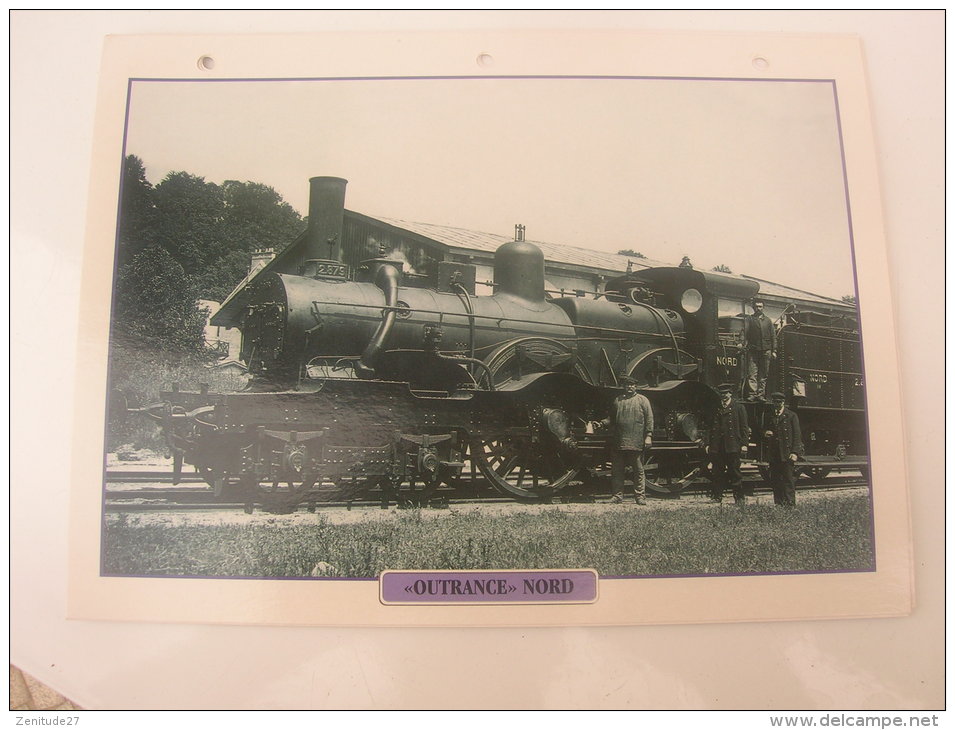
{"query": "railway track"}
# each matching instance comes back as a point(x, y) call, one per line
point(170, 498)
point(149, 477)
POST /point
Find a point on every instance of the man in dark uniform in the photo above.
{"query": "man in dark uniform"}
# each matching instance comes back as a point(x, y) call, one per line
point(784, 442)
point(728, 439)
point(631, 427)
point(759, 341)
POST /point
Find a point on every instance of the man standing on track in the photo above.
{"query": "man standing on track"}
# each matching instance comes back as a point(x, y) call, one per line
point(728, 440)
point(784, 442)
point(631, 426)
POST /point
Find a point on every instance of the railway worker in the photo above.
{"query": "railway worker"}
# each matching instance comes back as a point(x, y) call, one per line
point(728, 440)
point(759, 342)
point(631, 427)
point(784, 442)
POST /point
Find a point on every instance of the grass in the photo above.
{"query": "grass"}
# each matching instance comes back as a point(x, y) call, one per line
point(825, 534)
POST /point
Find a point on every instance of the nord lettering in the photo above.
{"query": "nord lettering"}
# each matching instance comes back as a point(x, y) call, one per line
point(548, 586)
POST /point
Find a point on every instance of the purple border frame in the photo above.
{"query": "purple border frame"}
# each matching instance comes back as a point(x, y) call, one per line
point(543, 77)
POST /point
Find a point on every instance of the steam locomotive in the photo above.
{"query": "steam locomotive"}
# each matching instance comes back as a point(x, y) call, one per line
point(367, 379)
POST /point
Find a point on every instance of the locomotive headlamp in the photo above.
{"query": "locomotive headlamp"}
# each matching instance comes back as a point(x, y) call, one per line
point(691, 301)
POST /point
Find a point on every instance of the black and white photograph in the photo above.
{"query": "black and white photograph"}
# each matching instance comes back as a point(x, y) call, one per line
point(485, 323)
point(470, 360)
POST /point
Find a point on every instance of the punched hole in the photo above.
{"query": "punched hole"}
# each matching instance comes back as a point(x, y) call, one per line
point(485, 59)
point(206, 63)
point(760, 63)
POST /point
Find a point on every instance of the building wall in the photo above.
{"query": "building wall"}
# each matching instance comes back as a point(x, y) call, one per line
point(363, 240)
point(228, 339)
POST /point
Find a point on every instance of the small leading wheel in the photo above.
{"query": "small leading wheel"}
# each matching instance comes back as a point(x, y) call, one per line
point(278, 497)
point(521, 468)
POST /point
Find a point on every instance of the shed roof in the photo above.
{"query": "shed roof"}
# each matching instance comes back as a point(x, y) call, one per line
point(578, 257)
point(462, 240)
point(554, 253)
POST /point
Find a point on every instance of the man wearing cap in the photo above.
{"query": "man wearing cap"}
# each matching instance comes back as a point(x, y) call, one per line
point(784, 446)
point(759, 341)
point(631, 426)
point(728, 439)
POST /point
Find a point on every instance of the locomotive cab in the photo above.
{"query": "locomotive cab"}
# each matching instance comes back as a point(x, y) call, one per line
point(696, 296)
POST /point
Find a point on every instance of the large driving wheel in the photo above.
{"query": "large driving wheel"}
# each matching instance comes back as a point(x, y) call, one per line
point(519, 467)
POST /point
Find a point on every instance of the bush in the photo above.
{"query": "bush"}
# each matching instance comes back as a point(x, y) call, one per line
point(137, 377)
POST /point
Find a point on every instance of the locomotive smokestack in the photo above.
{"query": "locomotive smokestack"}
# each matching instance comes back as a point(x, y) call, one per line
point(326, 210)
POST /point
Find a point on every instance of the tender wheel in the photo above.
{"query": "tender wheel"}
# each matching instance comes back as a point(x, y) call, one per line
point(278, 497)
point(223, 487)
point(813, 473)
point(669, 482)
point(520, 468)
point(419, 492)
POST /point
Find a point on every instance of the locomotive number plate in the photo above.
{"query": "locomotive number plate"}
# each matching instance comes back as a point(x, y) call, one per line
point(331, 268)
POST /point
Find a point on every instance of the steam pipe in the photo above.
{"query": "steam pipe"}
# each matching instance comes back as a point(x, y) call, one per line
point(386, 279)
point(466, 299)
point(654, 311)
point(473, 361)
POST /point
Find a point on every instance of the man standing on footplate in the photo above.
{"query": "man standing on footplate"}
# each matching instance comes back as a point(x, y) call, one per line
point(759, 342)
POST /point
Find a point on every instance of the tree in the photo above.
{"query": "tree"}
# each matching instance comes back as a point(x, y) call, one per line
point(188, 215)
point(849, 299)
point(723, 269)
point(137, 215)
point(255, 216)
point(218, 281)
point(183, 240)
point(156, 305)
point(630, 252)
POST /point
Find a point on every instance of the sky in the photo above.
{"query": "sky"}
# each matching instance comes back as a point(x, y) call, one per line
point(743, 173)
